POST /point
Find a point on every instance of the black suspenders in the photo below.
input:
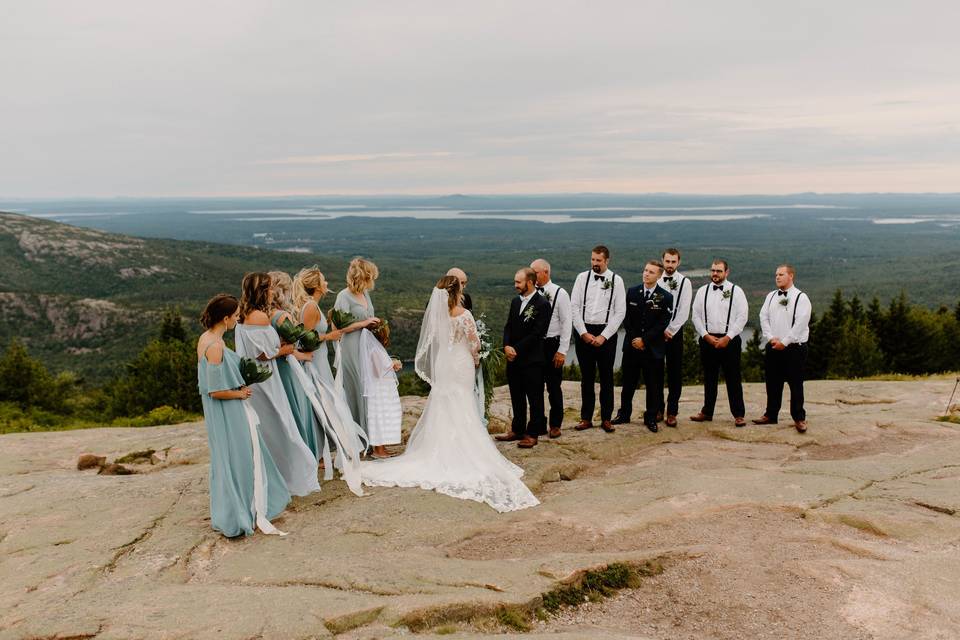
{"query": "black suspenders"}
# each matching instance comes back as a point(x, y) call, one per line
point(583, 311)
point(706, 324)
point(795, 303)
point(676, 302)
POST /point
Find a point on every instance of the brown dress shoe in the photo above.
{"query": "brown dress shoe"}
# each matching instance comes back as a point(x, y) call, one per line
point(528, 442)
point(554, 432)
point(509, 436)
point(763, 420)
point(702, 417)
point(671, 421)
point(800, 426)
point(739, 422)
point(583, 424)
point(659, 416)
point(607, 426)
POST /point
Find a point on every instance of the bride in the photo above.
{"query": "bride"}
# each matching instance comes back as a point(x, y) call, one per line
point(449, 450)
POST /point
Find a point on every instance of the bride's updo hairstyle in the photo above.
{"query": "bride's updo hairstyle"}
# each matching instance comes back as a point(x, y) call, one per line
point(360, 275)
point(451, 284)
point(255, 294)
point(219, 307)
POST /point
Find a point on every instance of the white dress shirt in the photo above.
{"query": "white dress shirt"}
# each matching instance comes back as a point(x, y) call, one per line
point(717, 309)
point(524, 300)
point(561, 321)
point(598, 302)
point(789, 322)
point(682, 296)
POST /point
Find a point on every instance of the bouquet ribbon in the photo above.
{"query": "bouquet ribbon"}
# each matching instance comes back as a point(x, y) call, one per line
point(259, 475)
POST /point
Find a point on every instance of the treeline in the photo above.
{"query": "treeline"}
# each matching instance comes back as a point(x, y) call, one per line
point(159, 386)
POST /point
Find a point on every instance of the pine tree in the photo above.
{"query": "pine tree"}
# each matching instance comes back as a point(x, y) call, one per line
point(171, 327)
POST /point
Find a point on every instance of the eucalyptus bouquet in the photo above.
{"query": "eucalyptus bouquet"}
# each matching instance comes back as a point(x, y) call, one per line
point(341, 319)
point(488, 350)
point(309, 341)
point(253, 372)
point(289, 333)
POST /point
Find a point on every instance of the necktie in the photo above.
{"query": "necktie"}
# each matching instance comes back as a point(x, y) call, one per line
point(596, 277)
point(781, 293)
point(718, 287)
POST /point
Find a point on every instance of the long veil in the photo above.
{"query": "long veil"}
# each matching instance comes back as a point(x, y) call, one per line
point(434, 337)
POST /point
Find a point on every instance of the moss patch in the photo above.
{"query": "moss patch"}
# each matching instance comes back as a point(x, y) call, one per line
point(592, 586)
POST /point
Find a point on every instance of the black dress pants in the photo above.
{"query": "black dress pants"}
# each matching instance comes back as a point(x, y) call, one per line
point(591, 360)
point(526, 387)
point(634, 363)
point(674, 366)
point(787, 366)
point(727, 360)
point(553, 377)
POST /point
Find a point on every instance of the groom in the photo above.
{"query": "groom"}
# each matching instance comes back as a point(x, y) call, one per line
point(523, 335)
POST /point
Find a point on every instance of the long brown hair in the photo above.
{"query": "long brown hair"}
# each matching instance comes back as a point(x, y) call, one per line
point(452, 286)
point(255, 294)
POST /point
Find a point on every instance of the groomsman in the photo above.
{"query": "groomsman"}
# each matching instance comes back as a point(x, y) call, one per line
point(785, 322)
point(719, 316)
point(649, 309)
point(557, 342)
point(459, 274)
point(523, 346)
point(681, 289)
point(598, 305)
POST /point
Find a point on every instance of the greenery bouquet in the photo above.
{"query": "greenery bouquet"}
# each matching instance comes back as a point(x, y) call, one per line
point(341, 319)
point(289, 333)
point(309, 341)
point(253, 371)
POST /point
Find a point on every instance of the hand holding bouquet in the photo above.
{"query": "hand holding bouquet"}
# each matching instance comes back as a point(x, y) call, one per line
point(309, 341)
point(289, 333)
point(253, 372)
point(341, 319)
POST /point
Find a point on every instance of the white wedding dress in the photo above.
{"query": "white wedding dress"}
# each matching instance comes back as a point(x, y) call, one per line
point(450, 450)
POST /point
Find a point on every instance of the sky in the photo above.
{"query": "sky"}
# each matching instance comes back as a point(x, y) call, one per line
point(107, 98)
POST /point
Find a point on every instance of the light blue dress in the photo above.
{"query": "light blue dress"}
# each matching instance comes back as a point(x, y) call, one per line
point(232, 450)
point(299, 403)
point(319, 367)
point(296, 462)
point(351, 372)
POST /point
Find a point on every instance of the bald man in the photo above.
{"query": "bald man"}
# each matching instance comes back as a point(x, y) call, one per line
point(460, 275)
point(556, 343)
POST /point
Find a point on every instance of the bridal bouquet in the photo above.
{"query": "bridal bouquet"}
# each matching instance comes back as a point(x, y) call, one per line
point(289, 333)
point(487, 349)
point(309, 341)
point(253, 372)
point(341, 319)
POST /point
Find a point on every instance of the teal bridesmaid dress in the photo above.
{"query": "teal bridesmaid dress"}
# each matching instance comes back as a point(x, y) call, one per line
point(350, 373)
point(299, 402)
point(234, 452)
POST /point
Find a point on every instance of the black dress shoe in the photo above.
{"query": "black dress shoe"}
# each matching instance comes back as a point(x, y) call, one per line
point(618, 419)
point(652, 426)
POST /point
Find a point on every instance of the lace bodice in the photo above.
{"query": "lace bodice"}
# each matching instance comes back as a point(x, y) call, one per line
point(463, 328)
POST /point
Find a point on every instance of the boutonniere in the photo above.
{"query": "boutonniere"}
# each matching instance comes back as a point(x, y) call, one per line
point(727, 294)
point(548, 297)
point(606, 285)
point(784, 302)
point(673, 285)
point(529, 313)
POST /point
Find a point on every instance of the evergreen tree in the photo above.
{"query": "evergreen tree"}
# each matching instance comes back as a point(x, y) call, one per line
point(26, 381)
point(752, 367)
point(856, 354)
point(171, 327)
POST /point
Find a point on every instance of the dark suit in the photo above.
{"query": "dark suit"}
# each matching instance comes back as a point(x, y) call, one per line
point(467, 302)
point(524, 332)
point(646, 319)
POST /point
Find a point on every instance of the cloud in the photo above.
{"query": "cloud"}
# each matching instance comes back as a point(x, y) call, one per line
point(357, 157)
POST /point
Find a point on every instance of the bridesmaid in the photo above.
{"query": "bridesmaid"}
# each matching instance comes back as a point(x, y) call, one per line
point(281, 287)
point(257, 339)
point(246, 488)
point(355, 300)
point(340, 430)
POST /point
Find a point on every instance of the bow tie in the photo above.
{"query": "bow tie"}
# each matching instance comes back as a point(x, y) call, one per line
point(668, 278)
point(781, 293)
point(718, 287)
point(539, 289)
point(596, 277)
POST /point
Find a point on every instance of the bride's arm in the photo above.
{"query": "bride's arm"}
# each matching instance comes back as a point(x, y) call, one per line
point(470, 328)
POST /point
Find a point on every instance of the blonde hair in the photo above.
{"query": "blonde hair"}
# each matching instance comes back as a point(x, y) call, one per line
point(360, 275)
point(281, 290)
point(306, 283)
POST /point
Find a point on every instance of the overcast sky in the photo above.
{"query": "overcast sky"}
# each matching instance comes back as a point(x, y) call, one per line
point(242, 97)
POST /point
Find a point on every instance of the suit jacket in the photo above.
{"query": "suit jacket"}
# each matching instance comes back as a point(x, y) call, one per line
point(648, 319)
point(525, 332)
point(467, 302)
